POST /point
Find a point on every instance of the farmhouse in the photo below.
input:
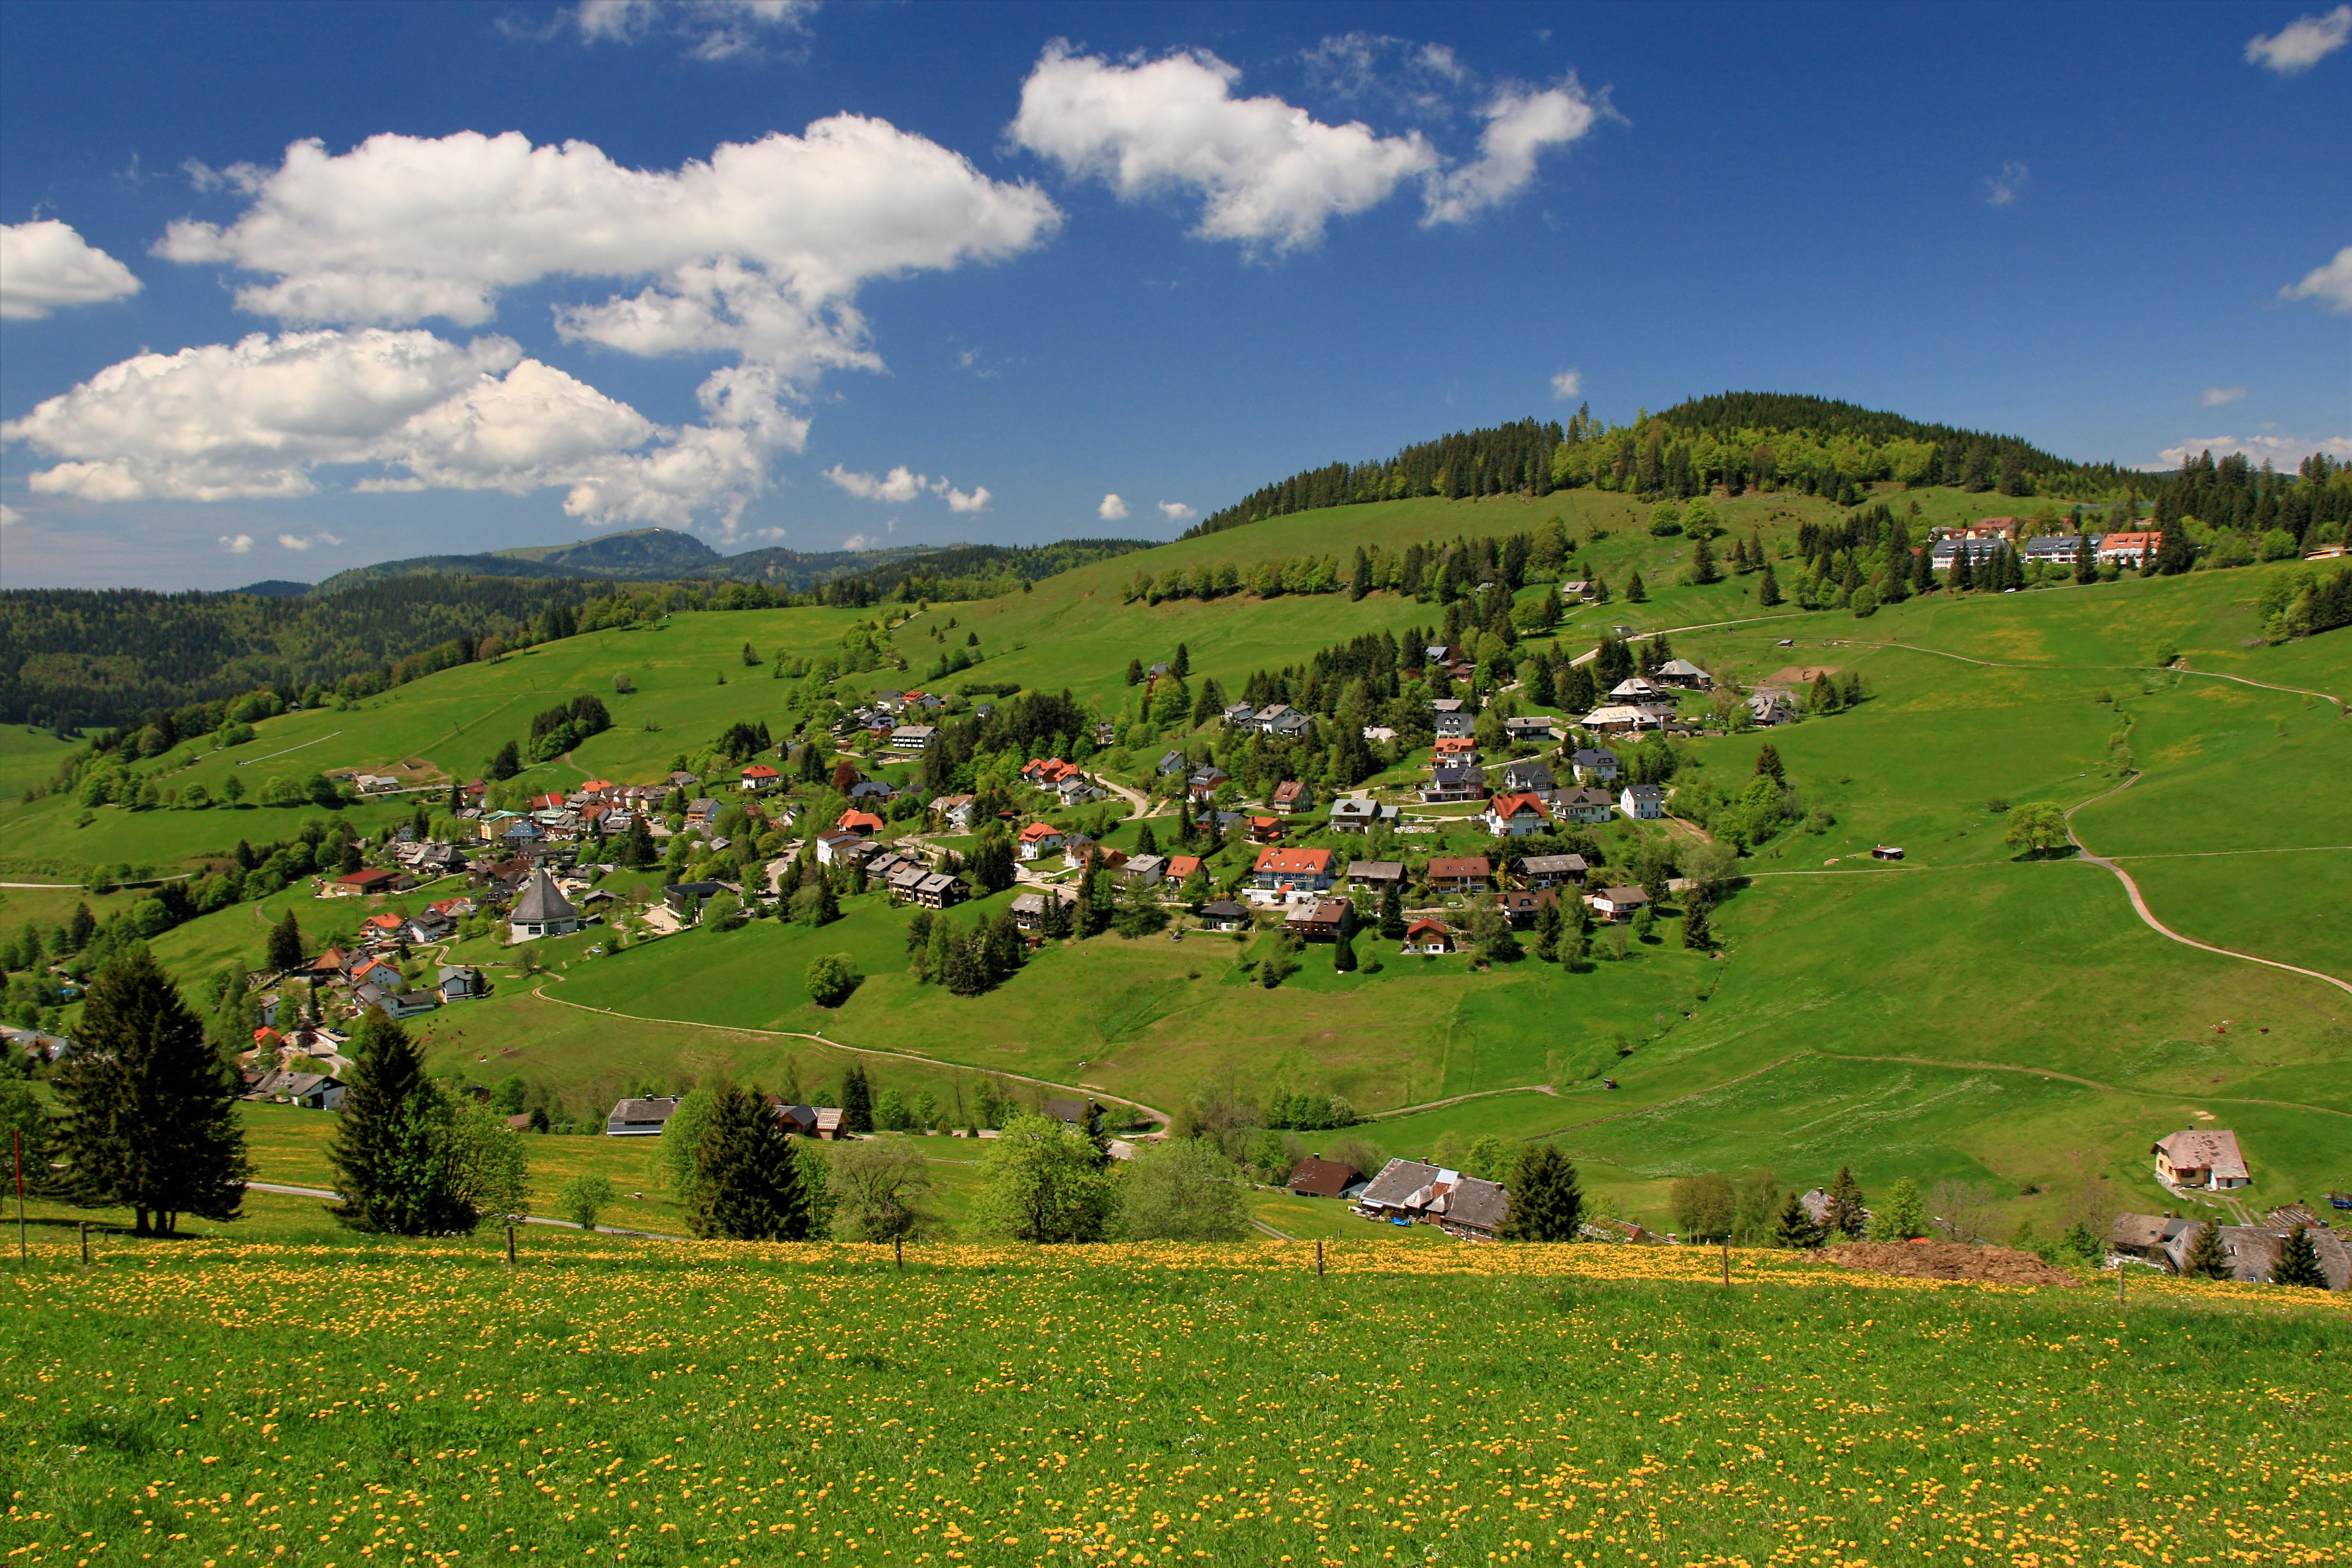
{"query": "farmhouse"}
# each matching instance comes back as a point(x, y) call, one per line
point(2196, 1157)
point(2146, 1236)
point(1317, 1177)
point(1682, 672)
point(1431, 938)
point(1458, 1205)
point(640, 1118)
point(1622, 718)
point(1771, 706)
point(1616, 903)
point(2254, 1252)
point(1551, 871)
point(1459, 873)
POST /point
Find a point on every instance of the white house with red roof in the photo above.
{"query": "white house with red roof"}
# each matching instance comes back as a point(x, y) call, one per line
point(1516, 816)
point(2201, 1157)
point(760, 778)
point(1288, 874)
point(1038, 840)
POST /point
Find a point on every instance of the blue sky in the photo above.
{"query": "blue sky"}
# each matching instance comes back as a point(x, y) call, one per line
point(809, 274)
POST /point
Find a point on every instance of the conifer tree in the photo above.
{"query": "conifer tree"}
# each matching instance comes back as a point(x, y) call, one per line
point(1847, 1218)
point(1767, 764)
point(1794, 1226)
point(1392, 911)
point(286, 945)
point(1547, 924)
point(856, 1100)
point(746, 1185)
point(1635, 593)
point(1696, 934)
point(2208, 1258)
point(151, 1120)
point(390, 1149)
point(1961, 574)
point(1546, 1203)
point(2298, 1262)
point(1767, 589)
point(1343, 956)
point(2087, 561)
point(1923, 568)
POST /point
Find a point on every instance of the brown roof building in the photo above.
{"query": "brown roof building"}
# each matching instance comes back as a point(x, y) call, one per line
point(1320, 1178)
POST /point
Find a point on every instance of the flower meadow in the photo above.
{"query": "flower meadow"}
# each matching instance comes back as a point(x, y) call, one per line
point(357, 1402)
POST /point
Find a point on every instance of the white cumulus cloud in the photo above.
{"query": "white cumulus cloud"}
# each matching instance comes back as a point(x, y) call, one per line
point(758, 253)
point(2215, 396)
point(974, 499)
point(2003, 188)
point(1266, 172)
point(237, 543)
point(1177, 511)
point(2302, 43)
point(1568, 385)
point(2331, 284)
point(46, 265)
point(259, 417)
point(711, 29)
point(304, 542)
point(2283, 451)
point(896, 487)
point(1112, 510)
point(1521, 125)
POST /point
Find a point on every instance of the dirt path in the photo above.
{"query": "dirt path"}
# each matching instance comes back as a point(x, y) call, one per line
point(2243, 680)
point(2139, 904)
point(1081, 1088)
point(1458, 1098)
point(2086, 1082)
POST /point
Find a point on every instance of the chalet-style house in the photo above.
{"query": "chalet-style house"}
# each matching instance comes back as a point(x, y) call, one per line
point(1534, 729)
point(1516, 815)
point(1453, 784)
point(1551, 871)
point(1530, 778)
point(1038, 840)
point(1682, 672)
point(1584, 804)
point(1458, 1205)
point(1376, 876)
point(1459, 873)
point(640, 1118)
point(1325, 920)
point(1614, 904)
point(1594, 766)
point(1291, 797)
point(1315, 1177)
point(1291, 872)
point(1769, 705)
point(2196, 1157)
point(760, 778)
point(1431, 938)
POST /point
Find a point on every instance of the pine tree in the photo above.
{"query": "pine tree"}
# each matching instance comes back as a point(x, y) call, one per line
point(1962, 575)
point(390, 1149)
point(286, 945)
point(1546, 1203)
point(856, 1100)
point(1847, 1217)
point(1702, 568)
point(1392, 911)
point(1634, 593)
point(1767, 764)
point(747, 1184)
point(2208, 1258)
point(151, 1120)
point(1548, 924)
point(1696, 934)
point(2087, 561)
point(1923, 568)
point(1794, 1226)
point(1343, 957)
point(2298, 1262)
point(1767, 589)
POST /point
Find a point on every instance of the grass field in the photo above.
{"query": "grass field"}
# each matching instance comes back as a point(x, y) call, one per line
point(317, 1398)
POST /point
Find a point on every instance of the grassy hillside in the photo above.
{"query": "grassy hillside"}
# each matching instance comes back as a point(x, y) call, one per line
point(1962, 1014)
point(353, 1399)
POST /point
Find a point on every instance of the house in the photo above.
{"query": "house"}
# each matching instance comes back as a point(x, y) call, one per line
point(838, 845)
point(1579, 590)
point(1638, 690)
point(1143, 870)
point(1453, 784)
point(1528, 778)
point(402, 1004)
point(1291, 797)
point(1454, 726)
point(1070, 1113)
point(864, 823)
point(383, 927)
point(683, 780)
point(1771, 706)
point(1326, 920)
point(427, 927)
point(1431, 938)
point(1029, 911)
point(359, 884)
point(1038, 840)
point(938, 892)
point(823, 1122)
point(1645, 803)
point(1077, 789)
point(1460, 750)
point(310, 1090)
point(1105, 732)
point(459, 980)
point(1551, 871)
point(2128, 549)
point(1181, 866)
point(1045, 773)
point(1172, 762)
point(913, 737)
point(1459, 873)
point(1682, 672)
point(1622, 718)
point(871, 789)
point(1297, 870)
point(701, 812)
point(2145, 1237)
point(1458, 1205)
point(1265, 829)
point(1532, 729)
point(1521, 908)
point(1204, 783)
point(1376, 876)
point(1887, 852)
point(685, 899)
point(1613, 904)
point(1317, 1177)
point(2254, 1252)
point(1224, 914)
point(1283, 721)
point(955, 811)
point(2196, 1157)
point(1594, 766)
point(1516, 815)
point(1240, 716)
point(760, 778)
point(1360, 814)
point(640, 1118)
point(542, 912)
point(904, 880)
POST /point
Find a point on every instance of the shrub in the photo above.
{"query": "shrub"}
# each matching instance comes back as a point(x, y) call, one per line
point(832, 976)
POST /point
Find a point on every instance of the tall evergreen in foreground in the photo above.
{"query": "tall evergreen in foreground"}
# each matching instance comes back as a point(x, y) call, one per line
point(2208, 1258)
point(857, 1099)
point(151, 1121)
point(1794, 1226)
point(1546, 1205)
point(2298, 1262)
point(747, 1184)
point(391, 1149)
point(1847, 1218)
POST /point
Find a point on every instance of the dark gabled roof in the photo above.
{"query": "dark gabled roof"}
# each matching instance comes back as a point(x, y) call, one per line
point(1223, 910)
point(1318, 1178)
point(1552, 865)
point(541, 903)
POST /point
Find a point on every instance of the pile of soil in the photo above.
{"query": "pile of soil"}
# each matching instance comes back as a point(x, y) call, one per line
point(1948, 1260)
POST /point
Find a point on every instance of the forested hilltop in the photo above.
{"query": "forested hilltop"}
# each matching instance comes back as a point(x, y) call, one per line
point(76, 658)
point(1739, 441)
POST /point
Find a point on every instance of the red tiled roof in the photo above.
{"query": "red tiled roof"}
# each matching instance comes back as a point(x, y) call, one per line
point(1506, 806)
point(1037, 831)
point(760, 771)
point(1277, 860)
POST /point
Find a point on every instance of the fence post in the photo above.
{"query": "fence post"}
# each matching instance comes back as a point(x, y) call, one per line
point(2120, 1271)
point(510, 1245)
point(899, 1249)
point(1727, 1260)
point(85, 1241)
point(1318, 1257)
